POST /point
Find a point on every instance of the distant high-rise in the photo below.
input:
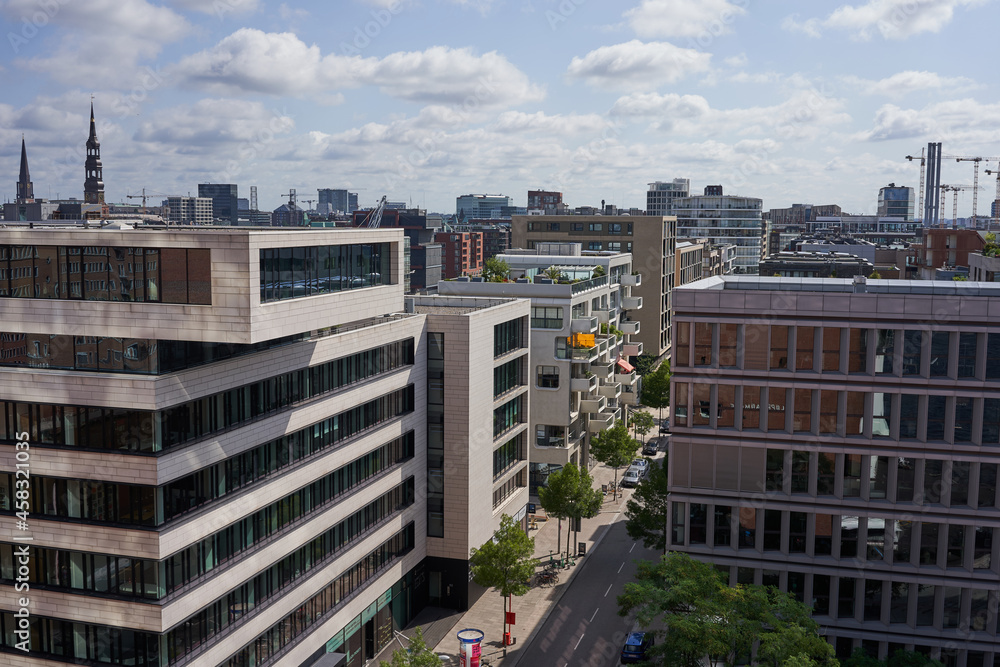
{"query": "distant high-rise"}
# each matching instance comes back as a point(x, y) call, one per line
point(549, 203)
point(895, 202)
point(331, 200)
point(225, 201)
point(660, 196)
point(472, 207)
point(724, 219)
point(188, 210)
point(25, 189)
point(93, 186)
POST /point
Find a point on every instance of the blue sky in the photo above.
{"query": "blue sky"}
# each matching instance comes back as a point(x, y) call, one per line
point(424, 100)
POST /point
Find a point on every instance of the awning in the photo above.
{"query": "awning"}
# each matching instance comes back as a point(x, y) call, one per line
point(625, 366)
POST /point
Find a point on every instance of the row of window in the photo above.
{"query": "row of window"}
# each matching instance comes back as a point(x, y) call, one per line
point(890, 352)
point(291, 273)
point(156, 579)
point(506, 377)
point(872, 539)
point(148, 431)
point(898, 479)
point(878, 415)
point(507, 455)
point(435, 433)
point(507, 489)
point(102, 273)
point(508, 415)
point(70, 642)
point(613, 227)
point(121, 355)
point(507, 337)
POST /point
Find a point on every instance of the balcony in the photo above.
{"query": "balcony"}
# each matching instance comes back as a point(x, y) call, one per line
point(631, 280)
point(629, 328)
point(603, 315)
point(602, 421)
point(583, 385)
point(632, 302)
point(582, 355)
point(626, 379)
point(584, 325)
point(602, 369)
point(593, 404)
point(632, 349)
point(610, 391)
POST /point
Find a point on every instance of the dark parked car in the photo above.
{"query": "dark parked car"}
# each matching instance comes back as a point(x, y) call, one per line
point(665, 426)
point(650, 448)
point(636, 646)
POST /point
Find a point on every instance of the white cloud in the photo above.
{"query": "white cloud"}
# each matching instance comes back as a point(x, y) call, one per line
point(892, 19)
point(904, 83)
point(220, 8)
point(210, 122)
point(517, 121)
point(638, 64)
point(684, 18)
point(737, 61)
point(965, 124)
point(252, 61)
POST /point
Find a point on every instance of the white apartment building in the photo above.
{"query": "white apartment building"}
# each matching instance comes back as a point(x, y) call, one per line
point(188, 210)
point(724, 219)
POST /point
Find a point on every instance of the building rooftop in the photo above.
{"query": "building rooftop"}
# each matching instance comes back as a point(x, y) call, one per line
point(847, 285)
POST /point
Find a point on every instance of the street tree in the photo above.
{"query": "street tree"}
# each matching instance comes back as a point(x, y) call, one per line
point(556, 494)
point(656, 388)
point(416, 654)
point(642, 423)
point(644, 363)
point(646, 510)
point(614, 447)
point(495, 270)
point(505, 563)
point(569, 493)
point(702, 619)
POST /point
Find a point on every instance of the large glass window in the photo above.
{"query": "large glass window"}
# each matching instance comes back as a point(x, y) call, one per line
point(831, 350)
point(912, 344)
point(797, 532)
point(828, 409)
point(881, 414)
point(963, 418)
point(772, 530)
point(824, 534)
point(967, 344)
point(699, 524)
point(933, 482)
point(723, 525)
point(506, 337)
point(507, 416)
point(748, 528)
point(849, 528)
point(939, 353)
point(987, 485)
point(909, 405)
point(992, 356)
point(858, 360)
point(751, 407)
point(845, 605)
point(727, 345)
point(821, 594)
point(292, 273)
point(776, 398)
point(726, 410)
point(884, 350)
point(702, 344)
point(899, 597)
point(546, 317)
point(902, 541)
point(775, 471)
point(805, 345)
point(779, 347)
point(929, 543)
point(508, 376)
point(960, 473)
point(991, 421)
point(855, 422)
point(873, 600)
point(905, 479)
point(826, 467)
point(802, 421)
point(878, 477)
point(683, 343)
point(800, 472)
point(681, 403)
point(702, 405)
point(982, 556)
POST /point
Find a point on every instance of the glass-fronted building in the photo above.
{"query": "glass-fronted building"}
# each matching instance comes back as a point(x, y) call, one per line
point(724, 219)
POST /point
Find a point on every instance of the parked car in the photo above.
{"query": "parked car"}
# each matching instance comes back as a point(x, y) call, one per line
point(636, 645)
point(642, 465)
point(650, 448)
point(631, 477)
point(665, 426)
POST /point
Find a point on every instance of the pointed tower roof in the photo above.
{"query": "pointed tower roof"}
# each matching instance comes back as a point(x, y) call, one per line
point(24, 176)
point(92, 140)
point(25, 190)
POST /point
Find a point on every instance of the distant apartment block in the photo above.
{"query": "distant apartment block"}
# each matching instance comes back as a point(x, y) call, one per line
point(333, 201)
point(469, 207)
point(799, 214)
point(549, 203)
point(661, 195)
point(188, 210)
point(806, 264)
point(896, 202)
point(461, 253)
point(728, 219)
point(941, 248)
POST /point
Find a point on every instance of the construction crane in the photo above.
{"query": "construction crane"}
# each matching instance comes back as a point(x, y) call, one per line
point(954, 189)
point(975, 159)
point(996, 201)
point(923, 164)
point(291, 198)
point(310, 202)
point(374, 218)
point(143, 197)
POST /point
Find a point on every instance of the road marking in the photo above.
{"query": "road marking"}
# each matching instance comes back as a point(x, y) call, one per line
point(608, 591)
point(633, 547)
point(578, 642)
point(620, 567)
point(595, 611)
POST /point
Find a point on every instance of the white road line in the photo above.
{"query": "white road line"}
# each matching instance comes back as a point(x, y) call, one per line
point(620, 567)
point(608, 591)
point(578, 642)
point(633, 547)
point(596, 610)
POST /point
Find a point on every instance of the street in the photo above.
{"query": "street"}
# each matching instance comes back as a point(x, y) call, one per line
point(584, 628)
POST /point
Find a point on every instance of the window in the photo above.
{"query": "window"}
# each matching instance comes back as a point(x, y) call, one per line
point(963, 419)
point(982, 554)
point(905, 478)
point(681, 404)
point(991, 421)
point(881, 415)
point(699, 527)
point(547, 377)
point(993, 356)
point(802, 421)
point(855, 422)
point(751, 407)
point(596, 226)
point(884, 348)
point(772, 530)
point(702, 344)
point(748, 528)
point(824, 534)
point(506, 377)
point(546, 317)
point(828, 411)
point(727, 345)
point(550, 436)
point(776, 398)
point(912, 342)
point(775, 473)
point(821, 594)
point(804, 346)
point(826, 465)
point(933, 482)
point(800, 472)
point(614, 228)
point(702, 405)
point(852, 475)
point(967, 344)
point(595, 245)
point(552, 226)
point(902, 540)
point(682, 344)
point(849, 536)
point(908, 412)
point(797, 532)
point(987, 485)
point(726, 408)
point(936, 408)
point(723, 525)
point(506, 337)
point(876, 539)
point(873, 600)
point(290, 273)
point(929, 543)
point(939, 353)
point(679, 515)
point(614, 246)
point(576, 227)
point(845, 606)
point(831, 350)
point(779, 347)
point(956, 546)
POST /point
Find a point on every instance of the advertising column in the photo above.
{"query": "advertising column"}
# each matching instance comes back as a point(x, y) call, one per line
point(470, 647)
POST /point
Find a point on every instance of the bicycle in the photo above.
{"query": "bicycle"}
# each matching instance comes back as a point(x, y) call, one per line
point(547, 578)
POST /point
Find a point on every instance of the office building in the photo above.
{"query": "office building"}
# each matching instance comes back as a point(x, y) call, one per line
point(333, 201)
point(728, 219)
point(812, 264)
point(225, 201)
point(489, 207)
point(649, 239)
point(549, 203)
point(873, 228)
point(690, 261)
point(188, 210)
point(661, 196)
point(799, 214)
point(840, 440)
point(896, 202)
point(236, 444)
point(579, 364)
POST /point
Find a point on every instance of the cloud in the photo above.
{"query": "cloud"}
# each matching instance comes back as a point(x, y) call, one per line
point(211, 122)
point(103, 40)
point(893, 19)
point(635, 63)
point(253, 61)
point(219, 8)
point(684, 18)
point(517, 121)
point(961, 122)
point(904, 83)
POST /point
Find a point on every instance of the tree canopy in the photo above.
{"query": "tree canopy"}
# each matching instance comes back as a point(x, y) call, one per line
point(614, 447)
point(570, 494)
point(495, 270)
point(646, 510)
point(416, 654)
point(642, 422)
point(656, 388)
point(698, 617)
point(506, 562)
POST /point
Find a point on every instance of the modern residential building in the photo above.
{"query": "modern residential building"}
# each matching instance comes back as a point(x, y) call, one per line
point(840, 440)
point(496, 236)
point(549, 203)
point(983, 268)
point(799, 214)
point(940, 248)
point(188, 210)
point(336, 201)
point(661, 195)
point(650, 240)
point(690, 261)
point(582, 327)
point(728, 219)
point(896, 202)
point(241, 451)
point(878, 230)
point(461, 253)
point(225, 201)
point(719, 260)
point(806, 264)
point(468, 207)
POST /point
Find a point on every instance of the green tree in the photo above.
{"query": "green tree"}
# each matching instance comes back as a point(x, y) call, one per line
point(646, 510)
point(960, 279)
point(702, 618)
point(495, 270)
point(859, 658)
point(644, 363)
point(903, 658)
point(642, 423)
point(656, 388)
point(599, 271)
point(991, 248)
point(614, 447)
point(569, 493)
point(416, 654)
point(875, 275)
point(553, 273)
point(505, 563)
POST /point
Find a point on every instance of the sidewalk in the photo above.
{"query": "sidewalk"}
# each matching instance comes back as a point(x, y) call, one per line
point(533, 608)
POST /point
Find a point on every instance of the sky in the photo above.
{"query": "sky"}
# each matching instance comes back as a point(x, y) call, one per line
point(425, 100)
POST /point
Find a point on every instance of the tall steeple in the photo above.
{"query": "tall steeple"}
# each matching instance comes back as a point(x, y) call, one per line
point(93, 187)
point(25, 189)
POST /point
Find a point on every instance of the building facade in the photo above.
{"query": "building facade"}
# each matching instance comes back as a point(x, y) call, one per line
point(823, 264)
point(651, 241)
point(896, 202)
point(225, 201)
point(188, 210)
point(549, 203)
point(461, 253)
point(727, 219)
point(223, 471)
point(660, 196)
point(468, 207)
point(940, 248)
point(841, 440)
point(333, 201)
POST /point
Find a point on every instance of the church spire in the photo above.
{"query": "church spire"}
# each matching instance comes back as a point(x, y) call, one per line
point(93, 187)
point(25, 189)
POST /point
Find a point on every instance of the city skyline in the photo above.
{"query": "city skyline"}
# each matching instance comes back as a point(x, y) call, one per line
point(427, 101)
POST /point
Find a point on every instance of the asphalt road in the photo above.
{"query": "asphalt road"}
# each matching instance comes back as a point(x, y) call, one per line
point(585, 629)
